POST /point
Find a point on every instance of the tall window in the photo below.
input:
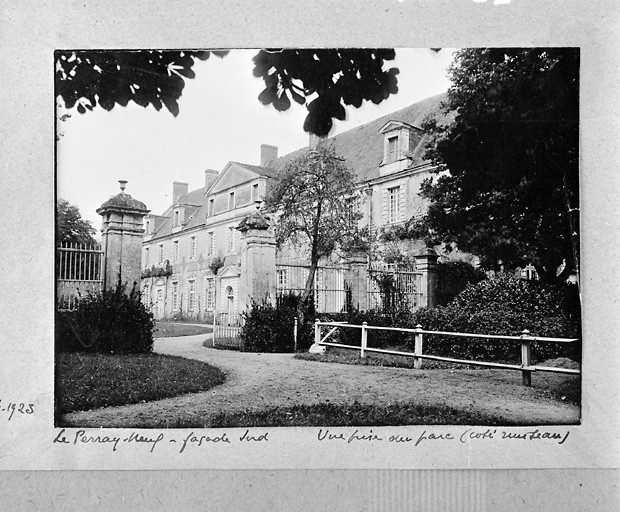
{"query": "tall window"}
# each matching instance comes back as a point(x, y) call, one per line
point(210, 293)
point(392, 148)
point(146, 296)
point(176, 218)
point(211, 209)
point(175, 296)
point(147, 257)
point(175, 251)
point(192, 295)
point(231, 201)
point(192, 247)
point(281, 279)
point(230, 246)
point(393, 204)
point(160, 257)
point(148, 227)
point(210, 243)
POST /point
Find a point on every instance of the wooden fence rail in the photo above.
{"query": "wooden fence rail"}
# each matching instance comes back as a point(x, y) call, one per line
point(525, 339)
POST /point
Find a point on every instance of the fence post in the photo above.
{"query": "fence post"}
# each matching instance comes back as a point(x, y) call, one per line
point(295, 334)
point(417, 350)
point(214, 324)
point(364, 339)
point(317, 332)
point(526, 357)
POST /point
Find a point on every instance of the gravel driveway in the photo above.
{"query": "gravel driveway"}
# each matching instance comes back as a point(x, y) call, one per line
point(258, 381)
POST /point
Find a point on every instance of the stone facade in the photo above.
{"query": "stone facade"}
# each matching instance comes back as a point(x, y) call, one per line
point(209, 259)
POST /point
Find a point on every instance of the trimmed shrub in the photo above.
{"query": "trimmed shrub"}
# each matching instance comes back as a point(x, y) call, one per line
point(453, 277)
point(107, 322)
point(504, 305)
point(269, 328)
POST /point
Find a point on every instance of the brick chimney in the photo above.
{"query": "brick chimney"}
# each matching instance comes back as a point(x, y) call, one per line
point(210, 176)
point(267, 154)
point(178, 189)
point(314, 140)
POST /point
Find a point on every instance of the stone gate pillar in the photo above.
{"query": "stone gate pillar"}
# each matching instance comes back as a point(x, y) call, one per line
point(356, 278)
point(122, 232)
point(427, 264)
point(258, 261)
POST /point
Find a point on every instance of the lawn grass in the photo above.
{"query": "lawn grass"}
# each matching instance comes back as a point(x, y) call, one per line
point(341, 415)
point(349, 356)
point(173, 329)
point(90, 381)
point(561, 387)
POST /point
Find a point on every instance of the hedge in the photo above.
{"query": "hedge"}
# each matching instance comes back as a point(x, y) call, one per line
point(110, 322)
point(503, 305)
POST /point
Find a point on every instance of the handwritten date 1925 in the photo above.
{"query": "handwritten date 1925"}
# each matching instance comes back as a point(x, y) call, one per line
point(13, 407)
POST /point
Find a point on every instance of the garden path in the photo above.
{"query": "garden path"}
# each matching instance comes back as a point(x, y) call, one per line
point(260, 381)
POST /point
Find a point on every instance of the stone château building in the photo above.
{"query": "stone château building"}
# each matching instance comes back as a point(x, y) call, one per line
point(191, 251)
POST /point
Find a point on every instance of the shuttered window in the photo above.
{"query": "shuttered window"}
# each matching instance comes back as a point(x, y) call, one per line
point(210, 243)
point(393, 206)
point(192, 294)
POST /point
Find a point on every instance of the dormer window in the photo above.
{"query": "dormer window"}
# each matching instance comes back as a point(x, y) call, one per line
point(148, 227)
point(392, 148)
point(211, 209)
point(176, 218)
point(400, 140)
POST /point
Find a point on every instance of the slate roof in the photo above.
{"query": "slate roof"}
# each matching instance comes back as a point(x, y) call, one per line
point(362, 147)
point(261, 171)
point(195, 197)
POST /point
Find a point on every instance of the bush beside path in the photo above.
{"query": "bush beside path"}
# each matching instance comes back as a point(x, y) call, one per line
point(258, 382)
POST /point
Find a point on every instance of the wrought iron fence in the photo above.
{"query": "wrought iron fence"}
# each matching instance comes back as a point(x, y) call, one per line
point(79, 270)
point(329, 288)
point(389, 287)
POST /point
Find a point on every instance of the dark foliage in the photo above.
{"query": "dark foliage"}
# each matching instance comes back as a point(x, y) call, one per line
point(107, 322)
point(511, 195)
point(216, 264)
point(270, 328)
point(453, 277)
point(70, 226)
point(339, 77)
point(154, 271)
point(106, 78)
point(334, 78)
point(503, 305)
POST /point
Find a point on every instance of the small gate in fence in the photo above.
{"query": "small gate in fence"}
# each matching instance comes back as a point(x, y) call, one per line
point(227, 330)
point(79, 270)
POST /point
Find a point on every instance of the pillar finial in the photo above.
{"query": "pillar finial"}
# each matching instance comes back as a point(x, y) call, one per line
point(123, 184)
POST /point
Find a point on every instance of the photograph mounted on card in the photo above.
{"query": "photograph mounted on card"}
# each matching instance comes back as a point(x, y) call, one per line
point(383, 261)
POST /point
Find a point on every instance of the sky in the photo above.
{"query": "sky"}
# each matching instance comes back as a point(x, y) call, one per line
point(220, 120)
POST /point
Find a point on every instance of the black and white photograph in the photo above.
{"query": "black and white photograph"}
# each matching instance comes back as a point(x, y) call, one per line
point(318, 237)
point(309, 256)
